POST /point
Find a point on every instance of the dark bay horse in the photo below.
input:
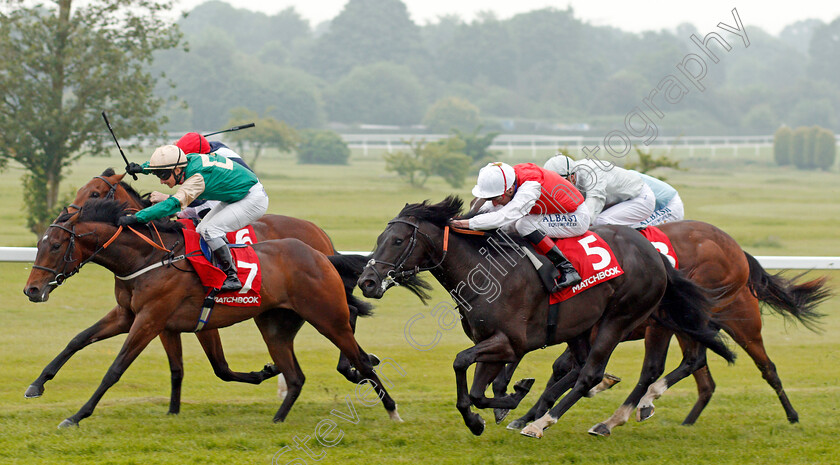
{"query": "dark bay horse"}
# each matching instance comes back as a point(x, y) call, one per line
point(714, 260)
point(504, 309)
point(110, 185)
point(299, 284)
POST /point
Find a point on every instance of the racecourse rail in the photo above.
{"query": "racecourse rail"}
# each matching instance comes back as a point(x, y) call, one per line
point(27, 254)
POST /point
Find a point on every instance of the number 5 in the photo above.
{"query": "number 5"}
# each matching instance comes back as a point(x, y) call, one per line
point(599, 251)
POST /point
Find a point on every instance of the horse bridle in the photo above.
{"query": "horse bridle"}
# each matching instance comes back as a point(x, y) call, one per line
point(61, 276)
point(397, 273)
point(109, 195)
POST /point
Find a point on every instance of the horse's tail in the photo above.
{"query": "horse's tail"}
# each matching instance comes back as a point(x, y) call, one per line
point(686, 308)
point(350, 267)
point(786, 297)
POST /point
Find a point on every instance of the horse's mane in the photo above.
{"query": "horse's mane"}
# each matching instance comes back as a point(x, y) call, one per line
point(438, 213)
point(110, 210)
point(143, 199)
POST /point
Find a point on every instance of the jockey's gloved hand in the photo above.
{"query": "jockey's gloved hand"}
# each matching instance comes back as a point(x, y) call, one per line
point(127, 220)
point(133, 168)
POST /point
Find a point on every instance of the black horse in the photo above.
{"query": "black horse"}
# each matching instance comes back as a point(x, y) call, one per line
point(506, 318)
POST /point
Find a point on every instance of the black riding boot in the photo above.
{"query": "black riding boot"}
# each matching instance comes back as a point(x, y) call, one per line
point(568, 274)
point(225, 261)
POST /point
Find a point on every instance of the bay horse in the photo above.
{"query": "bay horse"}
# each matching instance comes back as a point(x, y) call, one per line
point(714, 260)
point(299, 284)
point(506, 318)
point(110, 185)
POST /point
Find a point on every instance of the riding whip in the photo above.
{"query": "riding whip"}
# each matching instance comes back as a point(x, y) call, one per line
point(235, 128)
point(108, 123)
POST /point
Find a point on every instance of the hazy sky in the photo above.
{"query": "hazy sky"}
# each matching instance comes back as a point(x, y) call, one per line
point(633, 16)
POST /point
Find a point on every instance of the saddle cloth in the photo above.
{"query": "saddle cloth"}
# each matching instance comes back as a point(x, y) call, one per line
point(661, 242)
point(247, 266)
point(592, 258)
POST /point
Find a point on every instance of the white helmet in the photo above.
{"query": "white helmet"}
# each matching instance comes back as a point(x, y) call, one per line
point(493, 180)
point(167, 157)
point(561, 165)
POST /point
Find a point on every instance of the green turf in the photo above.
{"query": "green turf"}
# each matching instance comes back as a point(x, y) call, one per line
point(770, 211)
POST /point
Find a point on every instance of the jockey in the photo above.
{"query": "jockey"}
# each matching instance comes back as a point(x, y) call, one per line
point(193, 142)
point(536, 203)
point(242, 199)
point(614, 195)
point(669, 205)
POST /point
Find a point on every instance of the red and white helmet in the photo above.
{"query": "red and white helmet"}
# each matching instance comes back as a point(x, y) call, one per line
point(493, 180)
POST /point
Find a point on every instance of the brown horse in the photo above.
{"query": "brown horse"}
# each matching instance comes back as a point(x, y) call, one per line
point(298, 284)
point(110, 185)
point(712, 259)
point(506, 318)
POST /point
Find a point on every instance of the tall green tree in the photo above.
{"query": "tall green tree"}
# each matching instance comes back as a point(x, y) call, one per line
point(60, 66)
point(267, 132)
point(382, 93)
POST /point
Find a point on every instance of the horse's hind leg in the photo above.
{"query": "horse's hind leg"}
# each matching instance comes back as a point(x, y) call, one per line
point(744, 317)
point(694, 358)
point(500, 385)
point(278, 329)
point(705, 389)
point(117, 321)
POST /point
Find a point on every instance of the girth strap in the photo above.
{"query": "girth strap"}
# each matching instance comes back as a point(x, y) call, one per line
point(551, 323)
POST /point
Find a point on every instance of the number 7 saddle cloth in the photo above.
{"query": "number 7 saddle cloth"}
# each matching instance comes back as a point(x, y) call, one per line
point(245, 258)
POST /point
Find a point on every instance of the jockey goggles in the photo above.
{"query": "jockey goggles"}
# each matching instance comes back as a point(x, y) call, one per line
point(162, 174)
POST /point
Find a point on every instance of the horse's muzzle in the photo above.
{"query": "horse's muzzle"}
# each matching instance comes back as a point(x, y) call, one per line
point(37, 294)
point(370, 286)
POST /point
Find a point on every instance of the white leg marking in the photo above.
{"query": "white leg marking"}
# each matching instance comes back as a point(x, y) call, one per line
point(282, 388)
point(654, 392)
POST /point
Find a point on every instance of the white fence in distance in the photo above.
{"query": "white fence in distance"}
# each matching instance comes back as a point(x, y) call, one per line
point(27, 254)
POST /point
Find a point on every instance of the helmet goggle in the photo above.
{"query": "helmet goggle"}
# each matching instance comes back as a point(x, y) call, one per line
point(162, 174)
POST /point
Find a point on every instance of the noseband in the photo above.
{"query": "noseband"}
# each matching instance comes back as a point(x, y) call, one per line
point(61, 276)
point(397, 274)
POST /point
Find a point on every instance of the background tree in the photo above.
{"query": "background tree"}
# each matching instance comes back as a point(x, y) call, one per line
point(267, 132)
point(442, 158)
point(648, 161)
point(800, 147)
point(323, 148)
point(477, 146)
point(60, 66)
point(782, 141)
point(382, 93)
point(451, 113)
point(825, 149)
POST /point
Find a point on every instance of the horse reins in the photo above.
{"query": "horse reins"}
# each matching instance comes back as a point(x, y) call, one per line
point(397, 274)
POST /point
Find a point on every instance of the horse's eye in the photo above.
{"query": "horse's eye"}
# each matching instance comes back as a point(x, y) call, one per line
point(398, 241)
point(94, 195)
point(56, 246)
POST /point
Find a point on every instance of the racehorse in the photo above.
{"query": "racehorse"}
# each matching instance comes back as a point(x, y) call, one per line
point(110, 185)
point(298, 284)
point(712, 259)
point(507, 318)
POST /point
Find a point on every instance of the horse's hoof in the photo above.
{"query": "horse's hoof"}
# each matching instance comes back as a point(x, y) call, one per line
point(516, 425)
point(278, 420)
point(643, 413)
point(600, 430)
point(269, 370)
point(172, 413)
point(67, 423)
point(393, 415)
point(374, 360)
point(532, 431)
point(500, 414)
point(33, 391)
point(477, 427)
point(523, 386)
point(612, 380)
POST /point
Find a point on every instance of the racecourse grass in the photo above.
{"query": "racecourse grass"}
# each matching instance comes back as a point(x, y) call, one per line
point(769, 210)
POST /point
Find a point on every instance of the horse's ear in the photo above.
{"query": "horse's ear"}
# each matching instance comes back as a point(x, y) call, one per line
point(119, 177)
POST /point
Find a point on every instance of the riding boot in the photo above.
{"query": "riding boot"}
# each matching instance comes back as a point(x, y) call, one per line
point(544, 245)
point(225, 261)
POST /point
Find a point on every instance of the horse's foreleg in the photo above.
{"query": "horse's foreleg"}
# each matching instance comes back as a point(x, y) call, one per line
point(141, 333)
point(211, 342)
point(174, 353)
point(485, 372)
point(500, 385)
point(705, 389)
point(656, 351)
point(591, 374)
point(493, 349)
point(117, 321)
point(278, 332)
point(694, 358)
point(565, 371)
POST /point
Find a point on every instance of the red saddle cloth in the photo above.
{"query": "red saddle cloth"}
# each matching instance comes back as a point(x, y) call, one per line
point(661, 242)
point(247, 267)
point(592, 258)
